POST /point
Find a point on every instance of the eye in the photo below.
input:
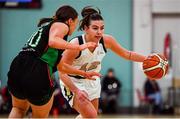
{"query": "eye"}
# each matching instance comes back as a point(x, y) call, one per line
point(95, 28)
point(102, 28)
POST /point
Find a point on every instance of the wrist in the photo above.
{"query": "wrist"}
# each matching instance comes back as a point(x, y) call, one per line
point(144, 58)
point(83, 73)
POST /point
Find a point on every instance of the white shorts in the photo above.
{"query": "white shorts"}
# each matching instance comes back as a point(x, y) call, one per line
point(92, 87)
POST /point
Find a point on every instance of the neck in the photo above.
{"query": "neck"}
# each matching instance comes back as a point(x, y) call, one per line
point(89, 39)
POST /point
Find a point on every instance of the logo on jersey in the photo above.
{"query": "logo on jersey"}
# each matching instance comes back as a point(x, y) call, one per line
point(88, 67)
point(100, 53)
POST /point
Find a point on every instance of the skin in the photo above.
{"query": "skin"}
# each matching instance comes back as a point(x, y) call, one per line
point(93, 33)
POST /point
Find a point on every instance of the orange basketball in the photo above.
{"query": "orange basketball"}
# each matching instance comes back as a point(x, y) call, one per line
point(155, 66)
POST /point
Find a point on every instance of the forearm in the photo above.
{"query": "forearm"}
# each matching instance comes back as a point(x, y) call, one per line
point(129, 55)
point(62, 44)
point(126, 54)
point(66, 68)
point(67, 81)
point(133, 56)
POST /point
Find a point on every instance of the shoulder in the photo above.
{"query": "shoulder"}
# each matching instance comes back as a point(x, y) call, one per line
point(60, 27)
point(108, 40)
point(73, 54)
point(77, 40)
point(107, 36)
point(74, 40)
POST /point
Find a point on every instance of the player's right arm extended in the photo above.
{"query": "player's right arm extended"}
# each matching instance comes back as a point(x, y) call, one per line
point(112, 44)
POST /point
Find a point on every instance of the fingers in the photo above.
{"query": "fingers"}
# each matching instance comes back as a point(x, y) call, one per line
point(97, 74)
point(92, 75)
point(92, 78)
point(91, 44)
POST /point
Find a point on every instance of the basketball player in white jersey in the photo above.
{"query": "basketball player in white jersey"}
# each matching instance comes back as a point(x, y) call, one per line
point(82, 93)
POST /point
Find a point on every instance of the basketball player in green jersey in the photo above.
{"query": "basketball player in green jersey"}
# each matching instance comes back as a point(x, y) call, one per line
point(29, 77)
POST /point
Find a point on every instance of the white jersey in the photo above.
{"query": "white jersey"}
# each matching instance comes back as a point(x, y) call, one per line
point(87, 61)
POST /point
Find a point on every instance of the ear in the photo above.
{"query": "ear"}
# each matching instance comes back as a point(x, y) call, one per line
point(86, 28)
point(70, 21)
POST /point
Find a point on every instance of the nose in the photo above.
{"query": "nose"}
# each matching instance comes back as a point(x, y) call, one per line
point(99, 31)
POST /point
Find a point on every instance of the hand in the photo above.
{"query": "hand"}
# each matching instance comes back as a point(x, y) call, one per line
point(89, 75)
point(81, 95)
point(87, 45)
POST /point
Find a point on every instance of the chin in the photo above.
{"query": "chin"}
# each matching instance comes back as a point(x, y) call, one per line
point(98, 39)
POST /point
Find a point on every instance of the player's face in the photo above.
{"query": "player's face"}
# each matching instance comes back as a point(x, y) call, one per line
point(73, 25)
point(95, 30)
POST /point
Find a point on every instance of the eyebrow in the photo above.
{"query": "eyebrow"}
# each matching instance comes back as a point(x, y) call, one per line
point(97, 26)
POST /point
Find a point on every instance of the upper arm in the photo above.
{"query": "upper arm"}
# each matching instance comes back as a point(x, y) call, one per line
point(69, 55)
point(58, 30)
point(111, 43)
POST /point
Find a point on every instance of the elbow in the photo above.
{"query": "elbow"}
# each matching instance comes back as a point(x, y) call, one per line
point(62, 76)
point(61, 68)
point(51, 43)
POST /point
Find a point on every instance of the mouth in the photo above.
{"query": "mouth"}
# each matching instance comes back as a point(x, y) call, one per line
point(98, 37)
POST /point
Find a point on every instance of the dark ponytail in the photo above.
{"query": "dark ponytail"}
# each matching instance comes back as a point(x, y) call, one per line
point(44, 20)
point(89, 13)
point(62, 14)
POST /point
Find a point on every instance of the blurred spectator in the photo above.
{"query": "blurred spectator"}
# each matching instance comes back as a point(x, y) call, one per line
point(58, 102)
point(6, 104)
point(110, 92)
point(153, 91)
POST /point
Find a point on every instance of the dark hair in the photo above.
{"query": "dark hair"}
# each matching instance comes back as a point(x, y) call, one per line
point(110, 70)
point(62, 14)
point(88, 13)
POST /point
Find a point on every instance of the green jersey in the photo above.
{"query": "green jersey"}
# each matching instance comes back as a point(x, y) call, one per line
point(38, 46)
